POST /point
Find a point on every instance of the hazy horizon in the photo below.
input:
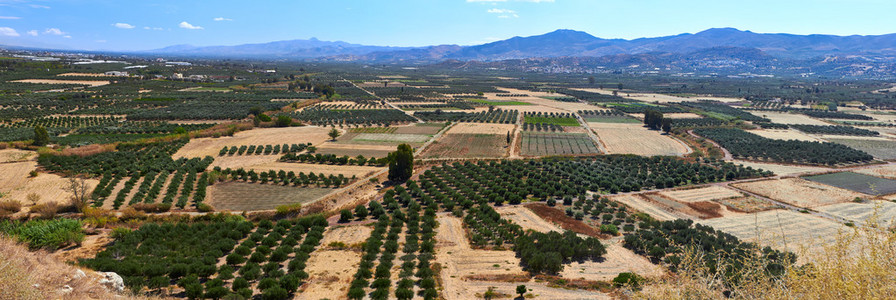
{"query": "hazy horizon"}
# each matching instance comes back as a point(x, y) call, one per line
point(127, 26)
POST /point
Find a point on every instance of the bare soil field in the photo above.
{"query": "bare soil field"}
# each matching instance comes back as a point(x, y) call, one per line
point(701, 194)
point(623, 138)
point(345, 170)
point(480, 128)
point(780, 229)
point(260, 136)
point(617, 260)
point(638, 203)
point(467, 146)
point(798, 192)
point(856, 182)
point(329, 274)
point(879, 212)
point(458, 261)
point(15, 155)
point(420, 128)
point(788, 118)
point(784, 134)
point(17, 184)
point(242, 161)
point(355, 150)
point(526, 218)
point(648, 97)
point(886, 171)
point(674, 116)
point(239, 196)
point(542, 99)
point(783, 170)
point(346, 234)
point(91, 83)
point(556, 216)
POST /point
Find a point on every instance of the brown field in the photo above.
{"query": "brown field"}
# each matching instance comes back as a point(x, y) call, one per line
point(91, 83)
point(638, 203)
point(648, 97)
point(675, 116)
point(467, 146)
point(15, 155)
point(242, 161)
point(798, 192)
point(887, 171)
point(783, 170)
point(784, 134)
point(780, 229)
point(617, 260)
point(788, 118)
point(346, 234)
point(881, 213)
point(292, 135)
point(239, 196)
point(701, 194)
point(458, 262)
point(747, 204)
point(687, 210)
point(526, 218)
point(355, 150)
point(16, 184)
point(345, 170)
point(480, 128)
point(330, 274)
point(624, 138)
point(420, 128)
point(556, 216)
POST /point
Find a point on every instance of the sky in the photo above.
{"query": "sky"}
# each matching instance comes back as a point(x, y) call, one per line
point(149, 24)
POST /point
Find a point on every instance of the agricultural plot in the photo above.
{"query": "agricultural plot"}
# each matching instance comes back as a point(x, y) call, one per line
point(542, 144)
point(780, 229)
point(238, 196)
point(480, 128)
point(787, 118)
point(552, 119)
point(879, 148)
point(882, 213)
point(778, 169)
point(526, 218)
point(641, 204)
point(886, 171)
point(709, 193)
point(742, 144)
point(747, 204)
point(618, 260)
point(420, 128)
point(856, 182)
point(467, 145)
point(636, 139)
point(798, 192)
point(17, 184)
point(91, 83)
point(212, 146)
point(353, 150)
point(784, 134)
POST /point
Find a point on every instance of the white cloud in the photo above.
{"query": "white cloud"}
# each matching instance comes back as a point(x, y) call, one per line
point(219, 19)
point(32, 32)
point(123, 25)
point(54, 31)
point(39, 6)
point(186, 25)
point(68, 36)
point(501, 11)
point(6, 31)
point(9, 18)
point(153, 28)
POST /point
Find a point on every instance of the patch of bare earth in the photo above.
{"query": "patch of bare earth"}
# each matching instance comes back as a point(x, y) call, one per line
point(527, 219)
point(240, 196)
point(330, 274)
point(346, 234)
point(628, 138)
point(260, 136)
point(17, 184)
point(467, 146)
point(617, 260)
point(798, 192)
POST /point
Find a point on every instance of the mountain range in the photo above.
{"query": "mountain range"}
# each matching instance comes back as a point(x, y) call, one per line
point(559, 43)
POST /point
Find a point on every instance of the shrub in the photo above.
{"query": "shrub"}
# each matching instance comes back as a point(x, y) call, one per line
point(203, 207)
point(45, 234)
point(8, 207)
point(628, 279)
point(46, 210)
point(345, 216)
point(288, 209)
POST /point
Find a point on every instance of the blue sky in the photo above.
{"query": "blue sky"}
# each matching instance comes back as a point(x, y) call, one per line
point(149, 24)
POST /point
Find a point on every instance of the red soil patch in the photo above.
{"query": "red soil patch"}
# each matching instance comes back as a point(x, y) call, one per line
point(561, 219)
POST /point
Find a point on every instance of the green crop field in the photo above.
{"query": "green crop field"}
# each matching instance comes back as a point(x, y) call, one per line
point(857, 182)
point(611, 119)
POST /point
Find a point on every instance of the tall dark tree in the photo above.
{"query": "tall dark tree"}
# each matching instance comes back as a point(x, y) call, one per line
point(41, 137)
point(653, 119)
point(401, 163)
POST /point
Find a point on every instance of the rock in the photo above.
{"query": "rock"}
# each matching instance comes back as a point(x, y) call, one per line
point(37, 286)
point(112, 281)
point(79, 274)
point(66, 289)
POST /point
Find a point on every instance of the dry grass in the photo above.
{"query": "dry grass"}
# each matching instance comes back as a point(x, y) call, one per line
point(481, 128)
point(783, 170)
point(856, 265)
point(701, 194)
point(37, 275)
point(784, 134)
point(799, 192)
